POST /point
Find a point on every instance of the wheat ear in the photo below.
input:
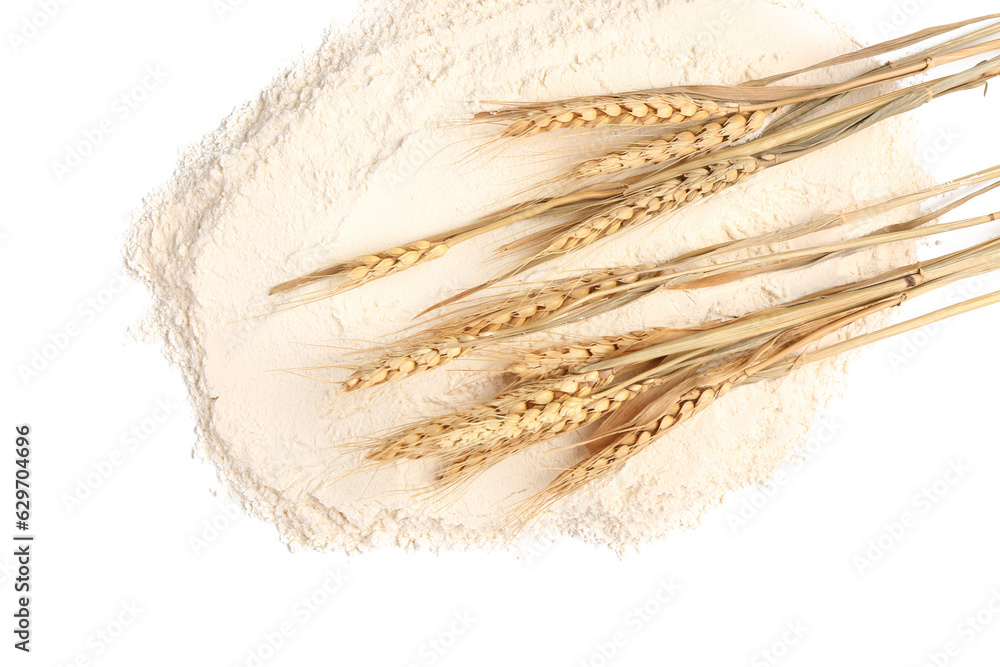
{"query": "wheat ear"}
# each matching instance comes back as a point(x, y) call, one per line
point(611, 457)
point(561, 359)
point(674, 146)
point(664, 190)
point(686, 189)
point(546, 405)
point(366, 268)
point(639, 108)
point(459, 335)
point(539, 421)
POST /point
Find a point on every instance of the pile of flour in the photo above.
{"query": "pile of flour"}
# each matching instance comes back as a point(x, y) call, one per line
point(357, 149)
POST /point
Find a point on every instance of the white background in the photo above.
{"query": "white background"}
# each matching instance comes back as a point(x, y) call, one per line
point(130, 552)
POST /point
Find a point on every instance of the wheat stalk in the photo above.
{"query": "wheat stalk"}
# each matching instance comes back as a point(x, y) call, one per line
point(597, 293)
point(635, 397)
point(635, 200)
point(691, 181)
point(629, 441)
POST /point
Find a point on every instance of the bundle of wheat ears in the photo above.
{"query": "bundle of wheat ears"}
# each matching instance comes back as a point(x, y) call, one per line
point(695, 142)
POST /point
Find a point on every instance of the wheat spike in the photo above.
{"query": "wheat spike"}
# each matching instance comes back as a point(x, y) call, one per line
point(610, 458)
point(675, 146)
point(451, 339)
point(641, 108)
point(364, 269)
point(522, 409)
point(417, 358)
point(527, 413)
point(554, 361)
point(563, 414)
point(533, 410)
point(671, 195)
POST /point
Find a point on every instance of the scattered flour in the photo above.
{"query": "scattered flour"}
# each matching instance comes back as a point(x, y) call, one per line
point(356, 149)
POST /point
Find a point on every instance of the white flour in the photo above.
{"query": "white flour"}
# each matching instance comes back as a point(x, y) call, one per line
point(355, 150)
